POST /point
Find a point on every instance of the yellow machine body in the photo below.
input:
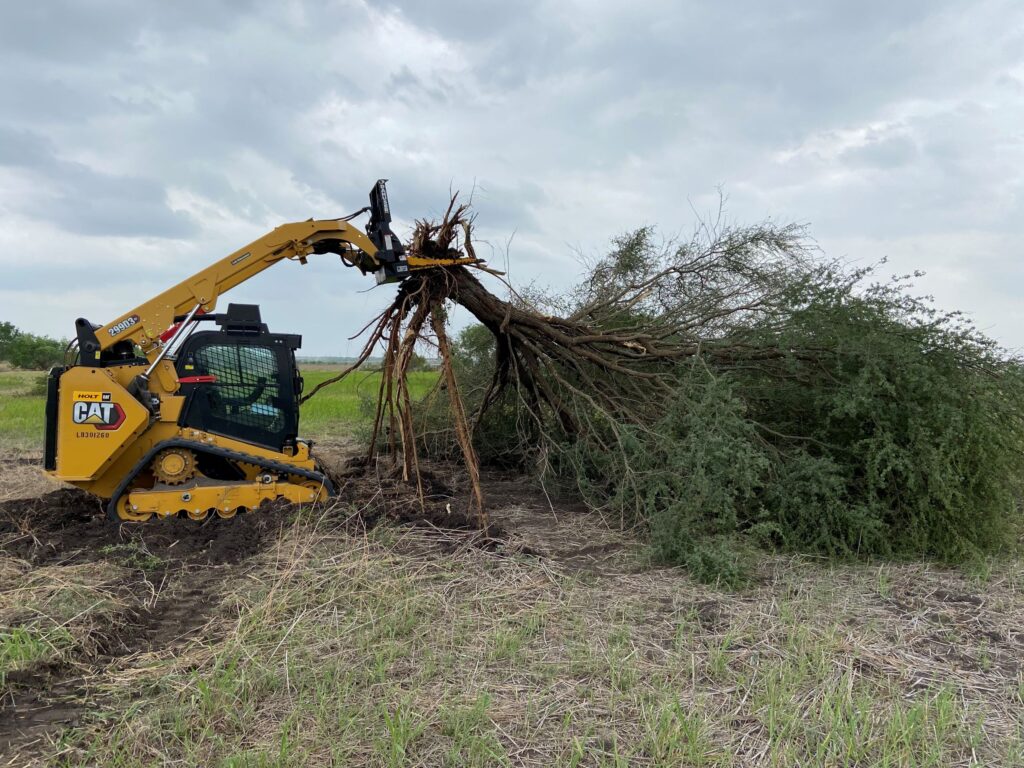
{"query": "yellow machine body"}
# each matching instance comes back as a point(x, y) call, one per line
point(103, 432)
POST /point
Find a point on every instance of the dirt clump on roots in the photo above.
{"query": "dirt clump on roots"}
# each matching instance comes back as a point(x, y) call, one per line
point(377, 491)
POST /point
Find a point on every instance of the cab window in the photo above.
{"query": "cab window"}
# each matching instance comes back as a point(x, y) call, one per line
point(245, 390)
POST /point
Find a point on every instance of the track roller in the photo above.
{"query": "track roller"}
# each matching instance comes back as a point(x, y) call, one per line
point(125, 511)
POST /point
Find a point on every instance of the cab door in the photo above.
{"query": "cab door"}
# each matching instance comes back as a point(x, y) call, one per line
point(239, 387)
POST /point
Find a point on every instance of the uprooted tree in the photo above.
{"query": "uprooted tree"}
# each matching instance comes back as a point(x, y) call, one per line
point(736, 386)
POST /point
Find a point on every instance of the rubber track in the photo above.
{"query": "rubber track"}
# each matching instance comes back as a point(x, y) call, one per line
point(213, 450)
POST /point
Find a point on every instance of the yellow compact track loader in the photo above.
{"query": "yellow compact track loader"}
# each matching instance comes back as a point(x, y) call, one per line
point(163, 418)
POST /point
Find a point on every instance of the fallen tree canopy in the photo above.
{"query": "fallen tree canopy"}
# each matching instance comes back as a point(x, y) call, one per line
point(733, 388)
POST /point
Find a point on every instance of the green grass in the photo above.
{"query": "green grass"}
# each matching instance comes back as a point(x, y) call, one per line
point(349, 403)
point(21, 413)
point(337, 408)
point(21, 647)
point(18, 382)
point(132, 554)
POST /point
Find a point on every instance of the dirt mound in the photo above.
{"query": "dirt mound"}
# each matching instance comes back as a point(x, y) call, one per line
point(378, 490)
point(70, 525)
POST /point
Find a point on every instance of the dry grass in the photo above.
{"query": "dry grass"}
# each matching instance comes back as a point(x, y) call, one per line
point(56, 614)
point(22, 477)
point(411, 648)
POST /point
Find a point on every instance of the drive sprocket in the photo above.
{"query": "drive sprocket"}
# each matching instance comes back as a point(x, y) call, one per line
point(174, 466)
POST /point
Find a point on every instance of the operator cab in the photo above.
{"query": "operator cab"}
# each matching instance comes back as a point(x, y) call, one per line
point(241, 381)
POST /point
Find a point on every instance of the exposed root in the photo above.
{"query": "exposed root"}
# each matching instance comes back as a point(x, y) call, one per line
point(610, 362)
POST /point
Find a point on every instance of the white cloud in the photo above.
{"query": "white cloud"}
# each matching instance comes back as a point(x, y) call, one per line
point(142, 141)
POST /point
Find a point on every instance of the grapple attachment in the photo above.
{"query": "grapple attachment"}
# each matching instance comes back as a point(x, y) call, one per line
point(394, 266)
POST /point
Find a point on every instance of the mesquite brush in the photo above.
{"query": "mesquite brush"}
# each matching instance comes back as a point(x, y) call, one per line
point(733, 382)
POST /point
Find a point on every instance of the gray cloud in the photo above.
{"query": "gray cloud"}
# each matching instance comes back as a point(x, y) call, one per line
point(147, 139)
point(86, 201)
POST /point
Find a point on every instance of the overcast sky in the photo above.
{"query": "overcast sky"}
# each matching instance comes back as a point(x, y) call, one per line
point(141, 140)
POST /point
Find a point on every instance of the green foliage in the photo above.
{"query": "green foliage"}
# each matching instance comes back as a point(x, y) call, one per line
point(691, 476)
point(7, 334)
point(843, 417)
point(27, 350)
point(903, 439)
point(695, 473)
point(905, 436)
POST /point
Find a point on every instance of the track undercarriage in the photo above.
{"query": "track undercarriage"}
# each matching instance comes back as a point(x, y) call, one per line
point(175, 479)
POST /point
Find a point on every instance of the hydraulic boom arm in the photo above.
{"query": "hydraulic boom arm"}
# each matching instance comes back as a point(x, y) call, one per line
point(377, 250)
point(144, 324)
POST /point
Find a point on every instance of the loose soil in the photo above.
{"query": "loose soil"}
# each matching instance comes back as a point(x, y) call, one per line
point(177, 567)
point(174, 565)
point(70, 525)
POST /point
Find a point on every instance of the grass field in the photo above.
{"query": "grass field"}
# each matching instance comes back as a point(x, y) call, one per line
point(335, 409)
point(387, 650)
point(341, 406)
point(302, 642)
point(21, 411)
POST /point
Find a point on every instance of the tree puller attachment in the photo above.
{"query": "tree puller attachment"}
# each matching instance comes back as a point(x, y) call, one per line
point(173, 408)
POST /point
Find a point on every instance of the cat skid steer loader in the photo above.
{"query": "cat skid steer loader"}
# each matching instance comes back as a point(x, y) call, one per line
point(164, 418)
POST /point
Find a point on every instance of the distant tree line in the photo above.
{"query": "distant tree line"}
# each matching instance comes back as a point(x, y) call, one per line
point(27, 350)
point(417, 363)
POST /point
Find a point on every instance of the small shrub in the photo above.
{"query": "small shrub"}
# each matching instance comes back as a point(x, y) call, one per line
point(38, 388)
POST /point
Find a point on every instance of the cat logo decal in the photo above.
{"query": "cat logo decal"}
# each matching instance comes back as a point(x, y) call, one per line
point(98, 409)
